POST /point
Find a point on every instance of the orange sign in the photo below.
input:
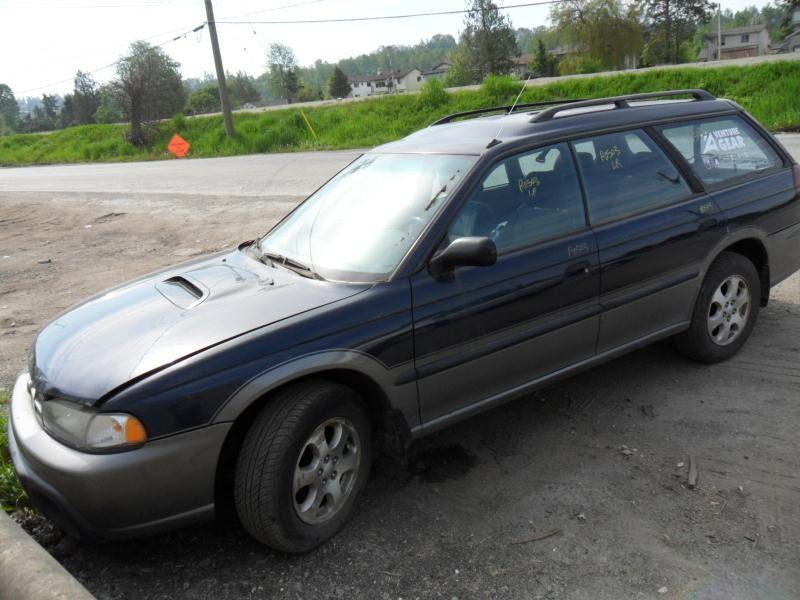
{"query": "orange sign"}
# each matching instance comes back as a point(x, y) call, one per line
point(178, 146)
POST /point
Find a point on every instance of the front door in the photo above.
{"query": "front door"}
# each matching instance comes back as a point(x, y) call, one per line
point(484, 334)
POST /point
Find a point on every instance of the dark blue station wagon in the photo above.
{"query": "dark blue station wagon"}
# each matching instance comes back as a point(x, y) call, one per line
point(435, 277)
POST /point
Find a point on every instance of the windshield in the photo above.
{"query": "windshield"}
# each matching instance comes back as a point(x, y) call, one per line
point(359, 226)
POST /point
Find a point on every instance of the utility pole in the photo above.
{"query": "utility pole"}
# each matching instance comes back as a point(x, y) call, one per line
point(719, 30)
point(223, 88)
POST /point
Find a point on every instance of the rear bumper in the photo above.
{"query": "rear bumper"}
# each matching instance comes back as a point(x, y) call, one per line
point(164, 484)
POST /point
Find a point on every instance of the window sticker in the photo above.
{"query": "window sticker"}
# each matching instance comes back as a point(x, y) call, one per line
point(611, 155)
point(529, 185)
point(723, 139)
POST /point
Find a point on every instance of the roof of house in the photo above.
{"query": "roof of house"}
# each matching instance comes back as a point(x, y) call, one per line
point(382, 76)
point(788, 42)
point(739, 30)
point(523, 60)
point(440, 68)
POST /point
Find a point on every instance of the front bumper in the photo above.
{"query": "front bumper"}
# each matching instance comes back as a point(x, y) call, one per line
point(166, 483)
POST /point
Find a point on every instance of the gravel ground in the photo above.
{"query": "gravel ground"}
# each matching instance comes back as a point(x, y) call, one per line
point(578, 491)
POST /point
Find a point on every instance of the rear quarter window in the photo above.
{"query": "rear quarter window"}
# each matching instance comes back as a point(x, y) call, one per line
point(722, 149)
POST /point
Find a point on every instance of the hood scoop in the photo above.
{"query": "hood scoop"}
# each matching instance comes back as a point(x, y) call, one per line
point(182, 292)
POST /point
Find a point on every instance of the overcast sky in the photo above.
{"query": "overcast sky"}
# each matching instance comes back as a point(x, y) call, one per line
point(43, 42)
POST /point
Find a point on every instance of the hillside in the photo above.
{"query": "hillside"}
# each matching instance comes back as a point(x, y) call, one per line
point(768, 90)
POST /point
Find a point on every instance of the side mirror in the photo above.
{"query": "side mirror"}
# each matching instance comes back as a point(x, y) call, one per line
point(465, 251)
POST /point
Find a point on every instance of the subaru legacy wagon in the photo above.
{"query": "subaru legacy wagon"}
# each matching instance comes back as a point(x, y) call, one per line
point(466, 265)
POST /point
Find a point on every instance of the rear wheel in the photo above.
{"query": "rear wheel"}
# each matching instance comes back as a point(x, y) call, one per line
point(725, 312)
point(302, 466)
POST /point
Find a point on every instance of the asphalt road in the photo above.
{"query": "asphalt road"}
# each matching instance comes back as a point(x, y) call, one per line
point(578, 491)
point(292, 175)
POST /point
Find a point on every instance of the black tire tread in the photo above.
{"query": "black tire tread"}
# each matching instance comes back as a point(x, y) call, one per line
point(694, 343)
point(261, 455)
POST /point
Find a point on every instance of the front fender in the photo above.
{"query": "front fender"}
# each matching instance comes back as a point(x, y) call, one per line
point(396, 384)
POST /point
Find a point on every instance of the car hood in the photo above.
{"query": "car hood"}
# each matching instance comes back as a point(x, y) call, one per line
point(142, 326)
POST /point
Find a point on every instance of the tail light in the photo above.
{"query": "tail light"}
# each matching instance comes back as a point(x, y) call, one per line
point(796, 171)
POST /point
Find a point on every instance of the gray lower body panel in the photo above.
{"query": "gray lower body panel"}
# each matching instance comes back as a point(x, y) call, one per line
point(166, 483)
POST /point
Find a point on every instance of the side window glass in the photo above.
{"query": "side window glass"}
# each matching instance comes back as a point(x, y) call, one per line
point(722, 148)
point(627, 173)
point(497, 178)
point(525, 199)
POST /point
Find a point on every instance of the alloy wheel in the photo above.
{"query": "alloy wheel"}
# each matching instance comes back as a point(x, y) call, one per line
point(326, 471)
point(729, 310)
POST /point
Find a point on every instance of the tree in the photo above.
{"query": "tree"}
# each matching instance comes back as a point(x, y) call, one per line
point(339, 86)
point(243, 89)
point(606, 31)
point(109, 110)
point(148, 87)
point(543, 63)
point(204, 100)
point(282, 65)
point(9, 109)
point(671, 24)
point(487, 45)
point(786, 25)
point(85, 98)
point(66, 116)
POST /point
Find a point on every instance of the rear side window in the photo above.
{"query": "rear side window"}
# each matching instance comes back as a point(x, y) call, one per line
point(626, 173)
point(722, 148)
point(523, 199)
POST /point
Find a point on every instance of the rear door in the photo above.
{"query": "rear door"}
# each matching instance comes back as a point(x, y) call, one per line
point(653, 233)
point(482, 334)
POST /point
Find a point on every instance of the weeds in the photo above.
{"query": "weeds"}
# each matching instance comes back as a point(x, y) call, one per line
point(769, 91)
point(11, 494)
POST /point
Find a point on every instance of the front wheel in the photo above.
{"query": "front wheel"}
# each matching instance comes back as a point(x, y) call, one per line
point(725, 312)
point(302, 466)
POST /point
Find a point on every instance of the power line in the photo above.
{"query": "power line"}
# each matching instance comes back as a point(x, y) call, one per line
point(158, 35)
point(385, 17)
point(109, 65)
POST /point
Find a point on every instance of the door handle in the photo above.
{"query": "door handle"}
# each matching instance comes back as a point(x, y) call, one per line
point(578, 269)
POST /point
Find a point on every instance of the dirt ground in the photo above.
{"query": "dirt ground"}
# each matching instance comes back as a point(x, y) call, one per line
point(579, 491)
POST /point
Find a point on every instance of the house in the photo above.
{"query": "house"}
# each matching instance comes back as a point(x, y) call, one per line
point(437, 72)
point(521, 67)
point(791, 43)
point(398, 81)
point(740, 42)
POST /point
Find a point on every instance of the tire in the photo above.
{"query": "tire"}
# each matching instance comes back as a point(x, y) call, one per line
point(284, 449)
point(707, 340)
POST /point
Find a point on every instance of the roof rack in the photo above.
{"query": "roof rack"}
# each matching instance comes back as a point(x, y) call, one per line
point(507, 109)
point(620, 102)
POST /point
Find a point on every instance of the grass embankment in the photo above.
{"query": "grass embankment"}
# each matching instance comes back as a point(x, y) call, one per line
point(11, 493)
point(768, 90)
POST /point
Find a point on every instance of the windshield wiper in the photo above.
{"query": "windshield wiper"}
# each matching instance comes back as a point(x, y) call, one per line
point(290, 263)
point(436, 197)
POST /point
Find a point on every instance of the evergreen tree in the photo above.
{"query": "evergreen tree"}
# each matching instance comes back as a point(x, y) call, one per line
point(671, 23)
point(487, 45)
point(543, 63)
point(339, 85)
point(9, 109)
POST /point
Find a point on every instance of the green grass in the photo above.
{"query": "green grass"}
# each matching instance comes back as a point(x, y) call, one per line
point(11, 494)
point(768, 90)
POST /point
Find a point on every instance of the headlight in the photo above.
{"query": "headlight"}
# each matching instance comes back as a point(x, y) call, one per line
point(86, 429)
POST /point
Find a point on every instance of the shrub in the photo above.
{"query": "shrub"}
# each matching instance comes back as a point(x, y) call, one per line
point(501, 89)
point(432, 94)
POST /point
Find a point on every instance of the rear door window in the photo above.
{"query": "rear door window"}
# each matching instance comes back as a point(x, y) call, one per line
point(627, 173)
point(722, 148)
